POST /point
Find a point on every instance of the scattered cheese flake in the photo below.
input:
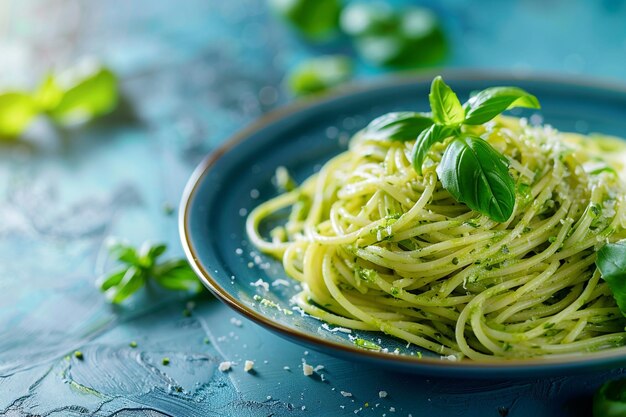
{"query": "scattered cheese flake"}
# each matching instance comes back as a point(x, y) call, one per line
point(225, 366)
point(278, 282)
point(392, 409)
point(382, 394)
point(286, 368)
point(235, 321)
point(325, 326)
point(318, 368)
point(307, 369)
point(248, 365)
point(239, 251)
point(346, 394)
point(260, 283)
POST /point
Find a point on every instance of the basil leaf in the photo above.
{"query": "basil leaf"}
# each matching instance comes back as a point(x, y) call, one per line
point(124, 253)
point(610, 399)
point(89, 91)
point(177, 275)
point(132, 280)
point(16, 112)
point(315, 19)
point(477, 175)
point(49, 94)
point(611, 262)
point(399, 126)
point(426, 139)
point(111, 280)
point(319, 74)
point(156, 251)
point(489, 103)
point(445, 105)
point(384, 36)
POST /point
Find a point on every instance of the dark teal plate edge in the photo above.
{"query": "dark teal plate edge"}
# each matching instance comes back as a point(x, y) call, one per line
point(613, 358)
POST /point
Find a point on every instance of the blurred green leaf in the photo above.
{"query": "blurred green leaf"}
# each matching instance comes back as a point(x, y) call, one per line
point(315, 19)
point(132, 280)
point(108, 281)
point(89, 90)
point(177, 275)
point(410, 37)
point(49, 94)
point(319, 74)
point(363, 19)
point(16, 112)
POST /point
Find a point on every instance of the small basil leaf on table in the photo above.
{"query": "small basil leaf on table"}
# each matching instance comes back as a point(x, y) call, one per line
point(610, 399)
point(398, 126)
point(611, 261)
point(132, 280)
point(16, 112)
point(177, 275)
point(476, 174)
point(106, 282)
point(141, 266)
point(426, 139)
point(445, 105)
point(490, 102)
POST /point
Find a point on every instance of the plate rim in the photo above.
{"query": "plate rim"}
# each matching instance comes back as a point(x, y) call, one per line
point(588, 360)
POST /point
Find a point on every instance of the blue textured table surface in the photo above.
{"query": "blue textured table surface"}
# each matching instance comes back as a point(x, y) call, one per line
point(193, 73)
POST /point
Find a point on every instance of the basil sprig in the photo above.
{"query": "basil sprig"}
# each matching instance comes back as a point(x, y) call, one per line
point(140, 266)
point(611, 261)
point(476, 174)
point(399, 126)
point(471, 170)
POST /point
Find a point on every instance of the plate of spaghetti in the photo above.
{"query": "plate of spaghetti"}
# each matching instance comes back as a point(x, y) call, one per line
point(466, 225)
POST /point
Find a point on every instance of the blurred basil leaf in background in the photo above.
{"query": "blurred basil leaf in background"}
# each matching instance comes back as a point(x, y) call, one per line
point(314, 19)
point(408, 37)
point(77, 95)
point(87, 91)
point(17, 109)
point(318, 74)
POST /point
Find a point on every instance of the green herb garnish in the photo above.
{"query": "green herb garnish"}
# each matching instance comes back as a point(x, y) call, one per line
point(17, 109)
point(77, 95)
point(165, 361)
point(611, 261)
point(610, 399)
point(405, 37)
point(319, 74)
point(133, 344)
point(366, 344)
point(476, 174)
point(471, 170)
point(141, 266)
point(79, 355)
point(398, 126)
point(315, 19)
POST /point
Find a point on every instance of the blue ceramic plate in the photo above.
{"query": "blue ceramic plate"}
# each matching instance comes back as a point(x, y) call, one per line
point(237, 177)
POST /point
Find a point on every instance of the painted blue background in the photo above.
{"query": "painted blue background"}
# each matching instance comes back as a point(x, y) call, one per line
point(193, 73)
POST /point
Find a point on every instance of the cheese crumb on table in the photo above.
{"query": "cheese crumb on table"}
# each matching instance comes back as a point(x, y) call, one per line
point(248, 365)
point(225, 366)
point(382, 394)
point(307, 369)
